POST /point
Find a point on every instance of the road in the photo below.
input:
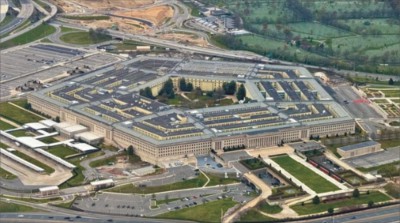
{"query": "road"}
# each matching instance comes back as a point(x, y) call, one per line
point(3, 9)
point(24, 14)
point(377, 215)
point(36, 24)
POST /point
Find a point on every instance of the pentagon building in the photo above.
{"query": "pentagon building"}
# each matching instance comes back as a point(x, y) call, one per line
point(286, 104)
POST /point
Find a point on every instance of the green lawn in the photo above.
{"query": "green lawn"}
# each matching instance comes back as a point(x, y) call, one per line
point(6, 175)
point(78, 178)
point(310, 208)
point(46, 168)
point(103, 162)
point(163, 201)
point(34, 200)
point(82, 38)
point(84, 17)
point(389, 143)
point(16, 114)
point(393, 190)
point(5, 126)
point(253, 164)
point(61, 151)
point(21, 133)
point(9, 207)
point(269, 209)
point(37, 33)
point(184, 184)
point(209, 212)
point(49, 140)
point(217, 180)
point(253, 215)
point(67, 29)
point(314, 181)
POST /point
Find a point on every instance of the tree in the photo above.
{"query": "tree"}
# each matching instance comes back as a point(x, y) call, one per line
point(370, 203)
point(153, 196)
point(57, 119)
point(330, 210)
point(229, 88)
point(241, 93)
point(130, 150)
point(168, 89)
point(182, 84)
point(189, 87)
point(391, 82)
point(356, 193)
point(146, 92)
point(316, 200)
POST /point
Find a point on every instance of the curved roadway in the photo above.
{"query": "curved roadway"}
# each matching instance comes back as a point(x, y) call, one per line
point(24, 14)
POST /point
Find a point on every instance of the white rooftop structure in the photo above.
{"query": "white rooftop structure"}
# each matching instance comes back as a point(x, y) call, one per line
point(102, 182)
point(88, 136)
point(63, 125)
point(56, 158)
point(21, 161)
point(75, 128)
point(48, 122)
point(83, 147)
point(31, 142)
point(49, 188)
point(36, 126)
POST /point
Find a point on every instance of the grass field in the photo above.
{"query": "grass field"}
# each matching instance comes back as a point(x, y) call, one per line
point(46, 168)
point(310, 208)
point(21, 133)
point(305, 175)
point(269, 209)
point(9, 207)
point(185, 184)
point(61, 151)
point(17, 115)
point(208, 212)
point(393, 190)
point(389, 143)
point(5, 125)
point(84, 17)
point(253, 215)
point(34, 200)
point(81, 38)
point(327, 33)
point(6, 175)
point(78, 178)
point(216, 180)
point(37, 33)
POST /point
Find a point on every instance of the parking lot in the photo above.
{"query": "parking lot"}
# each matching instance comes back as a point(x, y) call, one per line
point(45, 62)
point(375, 159)
point(140, 205)
point(207, 163)
point(327, 163)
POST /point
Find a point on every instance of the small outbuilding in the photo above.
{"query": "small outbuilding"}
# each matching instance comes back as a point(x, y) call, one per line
point(49, 191)
point(101, 184)
point(359, 149)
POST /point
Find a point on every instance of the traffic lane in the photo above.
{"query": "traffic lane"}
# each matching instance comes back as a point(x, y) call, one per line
point(383, 214)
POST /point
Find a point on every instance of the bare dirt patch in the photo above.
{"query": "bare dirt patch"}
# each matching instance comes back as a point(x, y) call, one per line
point(184, 38)
point(157, 15)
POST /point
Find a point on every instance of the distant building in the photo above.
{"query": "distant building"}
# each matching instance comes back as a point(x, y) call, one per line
point(49, 191)
point(359, 149)
point(101, 184)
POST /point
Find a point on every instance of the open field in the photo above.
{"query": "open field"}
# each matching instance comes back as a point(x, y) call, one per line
point(6, 175)
point(346, 34)
point(253, 215)
point(393, 190)
point(216, 180)
point(305, 175)
point(61, 151)
point(209, 212)
point(17, 115)
point(9, 207)
point(5, 125)
point(81, 38)
point(310, 208)
point(191, 183)
point(30, 36)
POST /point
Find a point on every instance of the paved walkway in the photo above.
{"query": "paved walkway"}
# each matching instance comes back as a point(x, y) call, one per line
point(266, 192)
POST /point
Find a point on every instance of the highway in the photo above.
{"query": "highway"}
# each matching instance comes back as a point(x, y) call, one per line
point(3, 9)
point(36, 24)
point(24, 14)
point(386, 214)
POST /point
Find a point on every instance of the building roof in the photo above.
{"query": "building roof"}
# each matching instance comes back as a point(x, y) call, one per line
point(48, 122)
point(49, 188)
point(31, 142)
point(35, 126)
point(56, 158)
point(83, 147)
point(358, 145)
point(89, 136)
point(101, 182)
point(74, 128)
